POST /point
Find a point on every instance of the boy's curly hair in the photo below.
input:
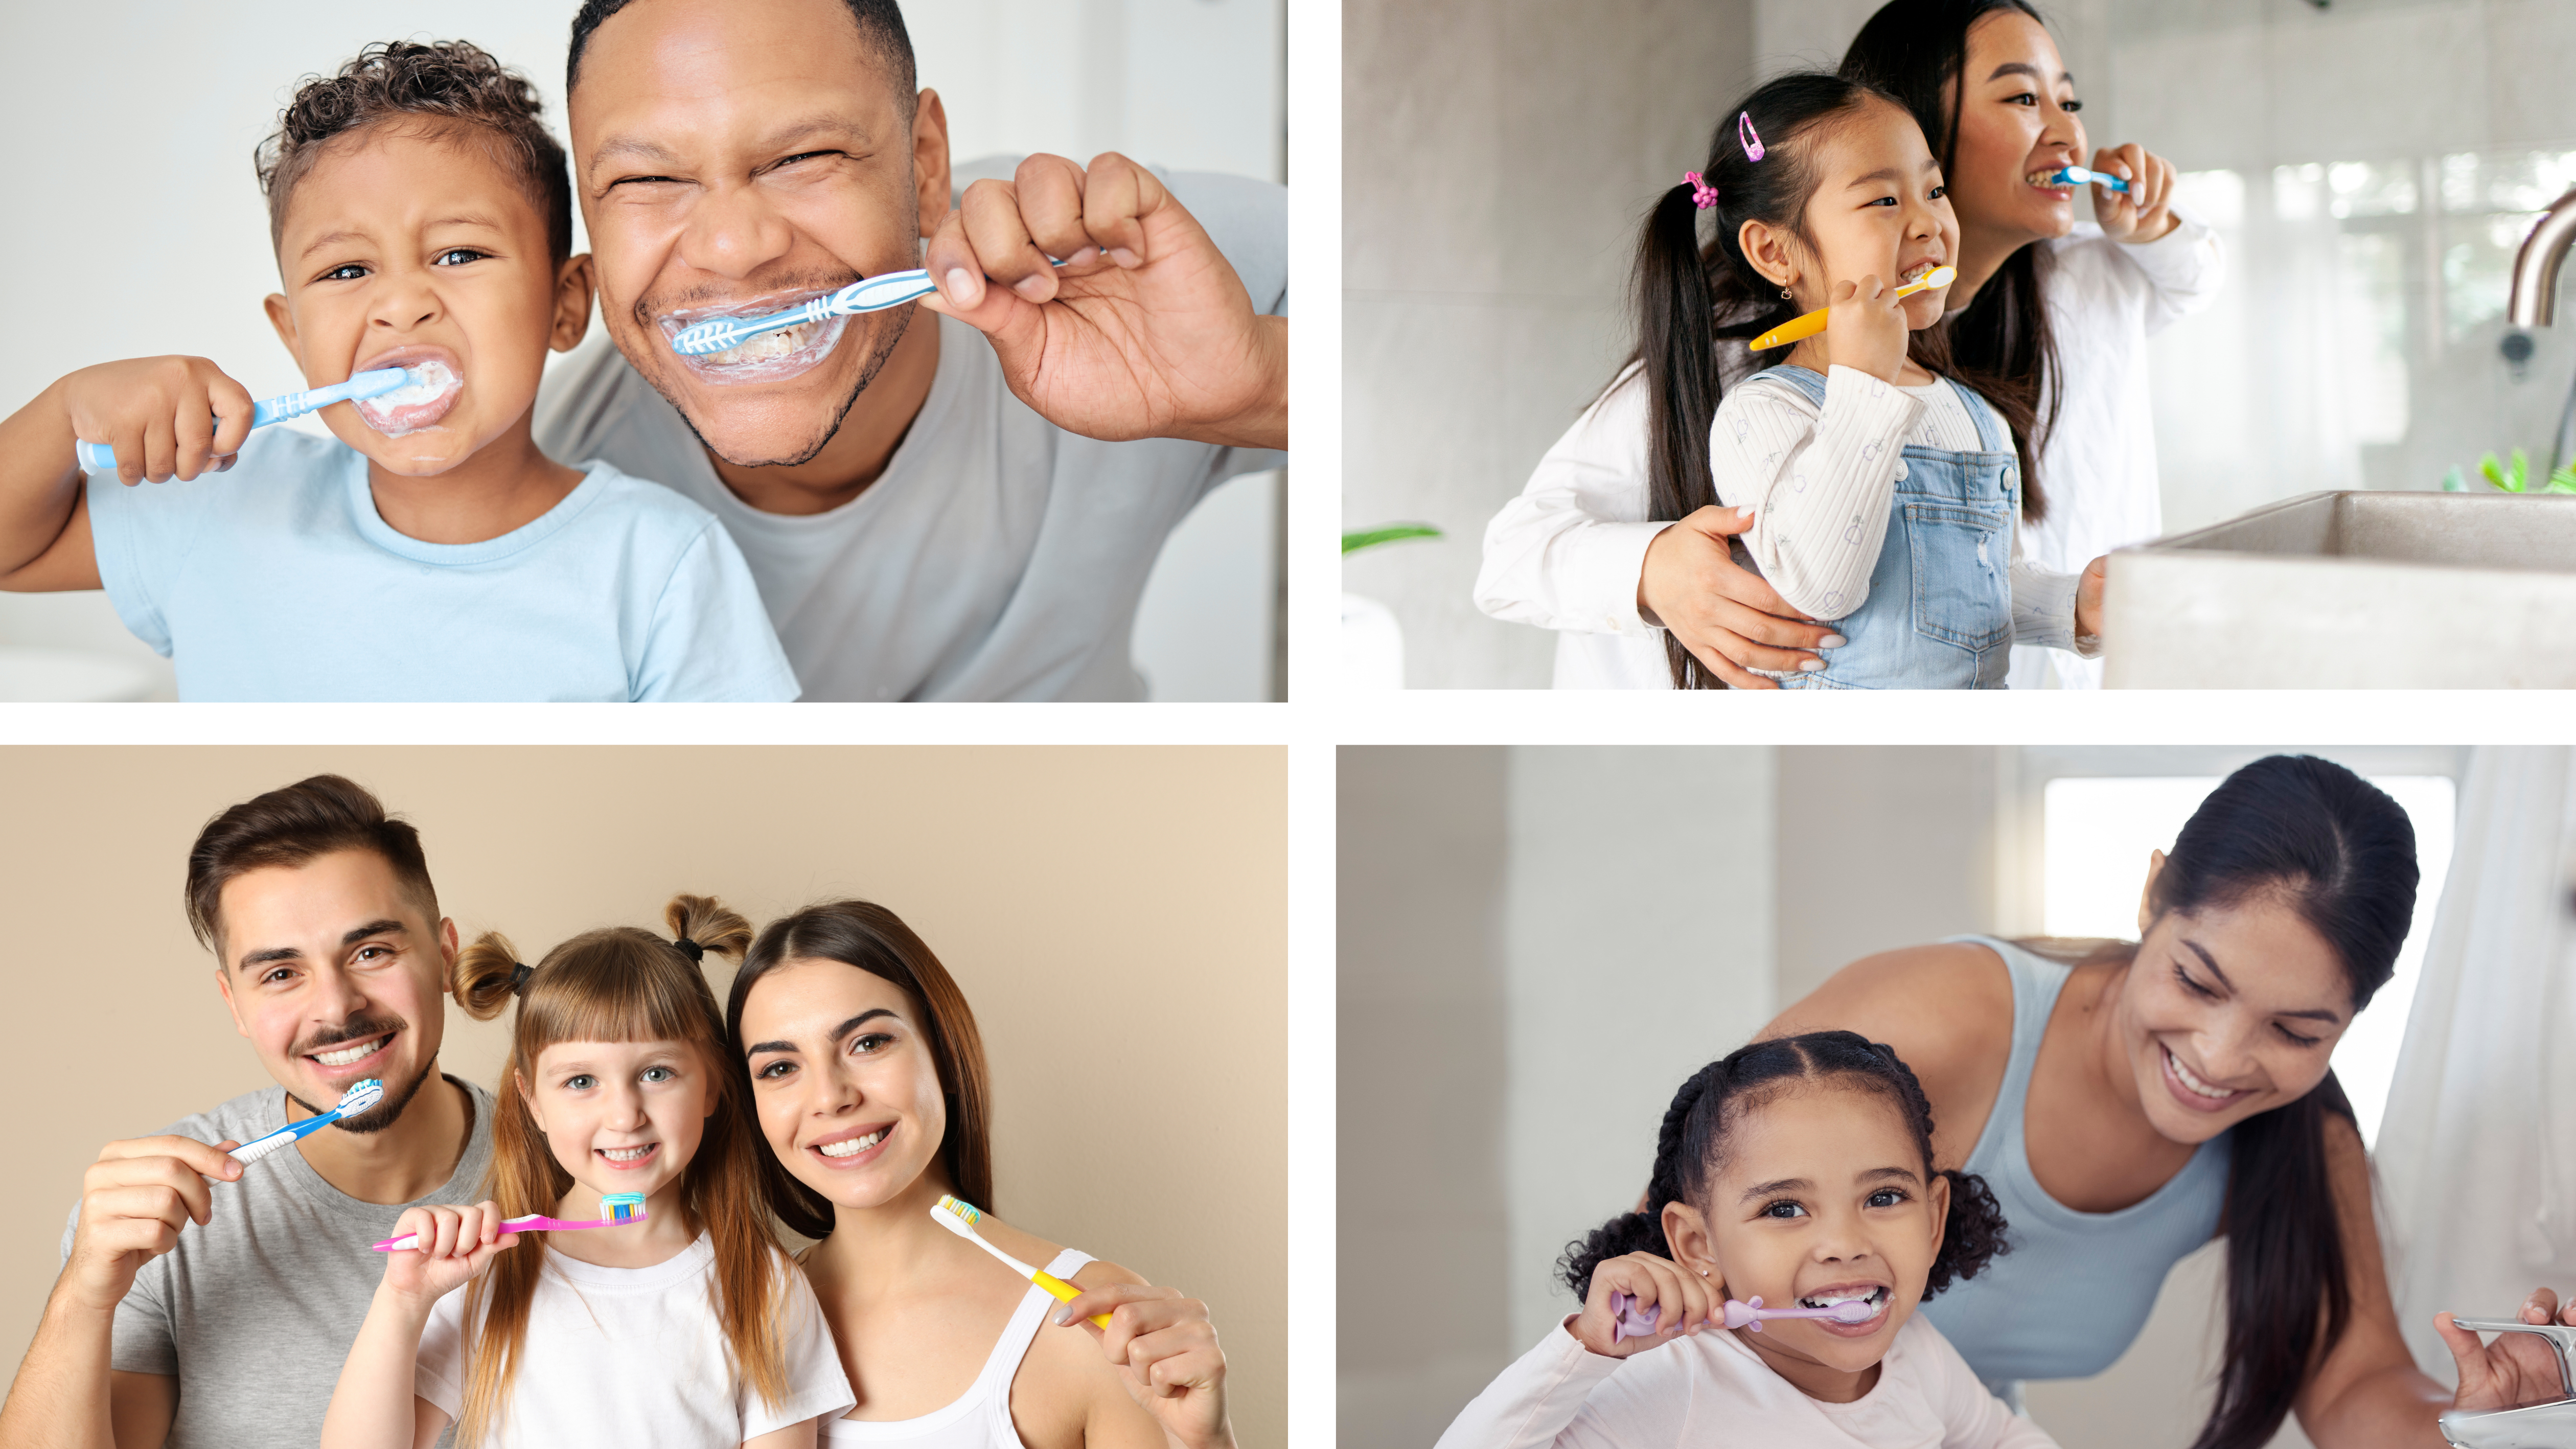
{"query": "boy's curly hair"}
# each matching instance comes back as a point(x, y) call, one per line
point(453, 83)
point(1693, 1141)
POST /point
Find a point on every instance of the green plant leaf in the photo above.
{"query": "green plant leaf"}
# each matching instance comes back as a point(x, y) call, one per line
point(2452, 482)
point(2494, 472)
point(1371, 538)
point(2521, 471)
point(2564, 480)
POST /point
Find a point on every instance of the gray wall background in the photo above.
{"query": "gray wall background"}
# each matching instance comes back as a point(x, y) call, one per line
point(1536, 943)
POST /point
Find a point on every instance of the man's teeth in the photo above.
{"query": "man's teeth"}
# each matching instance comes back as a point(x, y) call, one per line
point(625, 1154)
point(854, 1146)
point(2197, 1087)
point(767, 347)
point(346, 1055)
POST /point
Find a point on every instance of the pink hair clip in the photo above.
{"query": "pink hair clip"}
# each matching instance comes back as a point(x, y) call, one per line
point(1744, 133)
point(1703, 195)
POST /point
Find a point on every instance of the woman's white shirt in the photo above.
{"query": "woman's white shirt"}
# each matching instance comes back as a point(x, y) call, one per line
point(622, 1357)
point(1567, 553)
point(1710, 1388)
point(2105, 299)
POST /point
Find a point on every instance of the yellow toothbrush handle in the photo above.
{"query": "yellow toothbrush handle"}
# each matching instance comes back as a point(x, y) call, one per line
point(1788, 332)
point(1065, 1292)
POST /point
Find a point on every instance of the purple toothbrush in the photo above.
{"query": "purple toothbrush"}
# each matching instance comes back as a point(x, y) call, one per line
point(1636, 1324)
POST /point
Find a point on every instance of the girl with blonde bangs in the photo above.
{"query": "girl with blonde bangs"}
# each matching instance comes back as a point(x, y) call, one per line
point(689, 1326)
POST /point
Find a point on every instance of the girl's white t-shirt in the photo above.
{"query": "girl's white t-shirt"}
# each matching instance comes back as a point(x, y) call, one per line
point(1710, 1388)
point(625, 1357)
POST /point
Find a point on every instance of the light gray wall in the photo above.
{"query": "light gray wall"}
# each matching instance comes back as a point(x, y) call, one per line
point(1497, 156)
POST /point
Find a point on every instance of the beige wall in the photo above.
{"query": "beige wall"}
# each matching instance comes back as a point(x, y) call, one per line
point(1117, 917)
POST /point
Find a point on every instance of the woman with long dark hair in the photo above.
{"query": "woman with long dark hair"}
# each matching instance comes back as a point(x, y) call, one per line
point(2127, 1102)
point(2048, 322)
point(868, 1083)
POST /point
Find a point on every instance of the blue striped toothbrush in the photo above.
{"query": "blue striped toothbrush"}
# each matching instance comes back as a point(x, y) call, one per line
point(2077, 175)
point(618, 1209)
point(867, 294)
point(100, 458)
point(357, 1099)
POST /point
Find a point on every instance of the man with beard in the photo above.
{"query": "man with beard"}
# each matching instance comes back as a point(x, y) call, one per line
point(204, 1303)
point(958, 498)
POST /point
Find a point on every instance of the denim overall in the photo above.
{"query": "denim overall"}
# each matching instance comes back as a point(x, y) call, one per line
point(1939, 611)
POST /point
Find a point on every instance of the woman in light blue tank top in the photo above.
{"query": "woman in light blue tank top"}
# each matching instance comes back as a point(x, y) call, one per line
point(2178, 1090)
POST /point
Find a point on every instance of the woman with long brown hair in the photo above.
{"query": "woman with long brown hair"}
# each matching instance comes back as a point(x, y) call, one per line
point(689, 1326)
point(868, 1081)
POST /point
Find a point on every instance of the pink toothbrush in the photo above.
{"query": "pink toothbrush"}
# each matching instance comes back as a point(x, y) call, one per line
point(622, 1208)
point(1634, 1324)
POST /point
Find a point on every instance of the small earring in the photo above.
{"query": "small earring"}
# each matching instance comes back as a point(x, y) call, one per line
point(1784, 295)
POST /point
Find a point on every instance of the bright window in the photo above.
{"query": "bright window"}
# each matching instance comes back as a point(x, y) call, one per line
point(2099, 832)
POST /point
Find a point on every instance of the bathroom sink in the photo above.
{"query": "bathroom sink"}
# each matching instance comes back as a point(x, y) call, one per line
point(29, 676)
point(2352, 590)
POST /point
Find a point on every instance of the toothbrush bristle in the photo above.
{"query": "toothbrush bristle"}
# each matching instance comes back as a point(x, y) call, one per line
point(965, 1210)
point(622, 1207)
point(361, 1096)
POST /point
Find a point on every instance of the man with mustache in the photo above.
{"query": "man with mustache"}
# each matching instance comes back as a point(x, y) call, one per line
point(958, 498)
point(205, 1303)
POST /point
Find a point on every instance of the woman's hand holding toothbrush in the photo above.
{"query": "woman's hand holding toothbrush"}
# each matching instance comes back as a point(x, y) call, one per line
point(166, 417)
point(2145, 211)
point(1165, 1350)
point(1681, 1302)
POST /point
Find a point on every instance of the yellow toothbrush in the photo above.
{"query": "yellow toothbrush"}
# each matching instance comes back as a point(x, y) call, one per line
point(1814, 322)
point(959, 1216)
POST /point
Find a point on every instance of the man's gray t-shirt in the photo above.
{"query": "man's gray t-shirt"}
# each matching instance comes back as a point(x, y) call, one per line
point(254, 1312)
point(998, 556)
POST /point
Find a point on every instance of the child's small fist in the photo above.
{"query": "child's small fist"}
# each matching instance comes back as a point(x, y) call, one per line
point(452, 1245)
point(1865, 328)
point(163, 417)
point(1678, 1302)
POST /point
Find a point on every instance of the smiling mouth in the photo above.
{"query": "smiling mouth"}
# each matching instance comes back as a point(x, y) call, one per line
point(629, 1156)
point(350, 1054)
point(770, 357)
point(2044, 180)
point(2193, 1084)
point(1875, 1296)
point(1919, 270)
point(853, 1146)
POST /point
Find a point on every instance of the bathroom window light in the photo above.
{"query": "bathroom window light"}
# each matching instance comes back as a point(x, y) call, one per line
point(2098, 832)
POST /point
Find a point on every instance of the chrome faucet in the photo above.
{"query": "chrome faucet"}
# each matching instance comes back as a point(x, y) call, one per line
point(2535, 268)
point(2534, 1426)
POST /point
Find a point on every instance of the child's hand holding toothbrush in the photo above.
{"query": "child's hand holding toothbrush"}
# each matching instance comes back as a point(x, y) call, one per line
point(166, 417)
point(1681, 1301)
point(456, 1245)
point(1865, 328)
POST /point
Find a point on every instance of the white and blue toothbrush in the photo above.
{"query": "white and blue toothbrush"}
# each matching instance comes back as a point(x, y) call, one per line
point(867, 294)
point(353, 1101)
point(2077, 175)
point(100, 458)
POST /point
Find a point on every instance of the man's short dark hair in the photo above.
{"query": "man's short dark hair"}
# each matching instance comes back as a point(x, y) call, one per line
point(449, 81)
point(291, 826)
point(880, 25)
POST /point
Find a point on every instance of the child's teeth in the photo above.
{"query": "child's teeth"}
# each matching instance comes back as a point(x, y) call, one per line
point(625, 1154)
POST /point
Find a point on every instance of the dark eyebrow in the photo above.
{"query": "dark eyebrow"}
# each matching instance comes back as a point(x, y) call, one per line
point(654, 153)
point(1766, 1189)
point(1891, 175)
point(327, 239)
point(386, 927)
point(2211, 962)
point(1877, 1174)
point(837, 1033)
point(2014, 67)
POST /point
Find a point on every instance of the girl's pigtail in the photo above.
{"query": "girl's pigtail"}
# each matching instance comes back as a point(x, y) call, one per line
point(710, 923)
point(1972, 1237)
point(1643, 1231)
point(1677, 354)
point(487, 976)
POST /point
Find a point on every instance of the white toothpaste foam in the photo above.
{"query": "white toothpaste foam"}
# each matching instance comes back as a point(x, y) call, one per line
point(430, 381)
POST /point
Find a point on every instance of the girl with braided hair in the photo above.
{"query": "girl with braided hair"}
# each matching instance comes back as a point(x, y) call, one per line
point(1794, 1172)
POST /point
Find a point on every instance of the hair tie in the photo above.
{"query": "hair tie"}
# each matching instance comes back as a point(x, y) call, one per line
point(519, 974)
point(1744, 134)
point(1703, 195)
point(691, 949)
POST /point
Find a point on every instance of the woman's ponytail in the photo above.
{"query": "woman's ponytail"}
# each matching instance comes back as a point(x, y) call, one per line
point(487, 975)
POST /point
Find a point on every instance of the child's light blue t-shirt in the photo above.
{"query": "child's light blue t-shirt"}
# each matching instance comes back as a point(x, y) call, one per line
point(277, 580)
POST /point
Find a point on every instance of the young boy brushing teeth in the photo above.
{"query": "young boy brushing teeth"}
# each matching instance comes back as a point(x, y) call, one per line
point(422, 219)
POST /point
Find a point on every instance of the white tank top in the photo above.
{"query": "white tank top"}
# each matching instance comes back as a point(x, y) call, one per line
point(979, 1418)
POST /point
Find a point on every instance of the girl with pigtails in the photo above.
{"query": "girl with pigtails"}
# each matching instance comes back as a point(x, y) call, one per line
point(1795, 1173)
point(1872, 482)
point(688, 1327)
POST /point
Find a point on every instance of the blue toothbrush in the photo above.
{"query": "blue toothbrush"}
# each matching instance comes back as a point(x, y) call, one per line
point(868, 294)
point(100, 458)
point(355, 1100)
point(2078, 175)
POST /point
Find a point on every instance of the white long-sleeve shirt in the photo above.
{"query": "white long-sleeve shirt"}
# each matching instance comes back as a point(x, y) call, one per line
point(2098, 468)
point(1566, 554)
point(1711, 1389)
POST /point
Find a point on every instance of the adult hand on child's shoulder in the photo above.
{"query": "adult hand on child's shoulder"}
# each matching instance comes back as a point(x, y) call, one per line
point(1866, 328)
point(1163, 1345)
point(1681, 1303)
point(2144, 212)
point(164, 417)
point(1729, 618)
point(134, 1201)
